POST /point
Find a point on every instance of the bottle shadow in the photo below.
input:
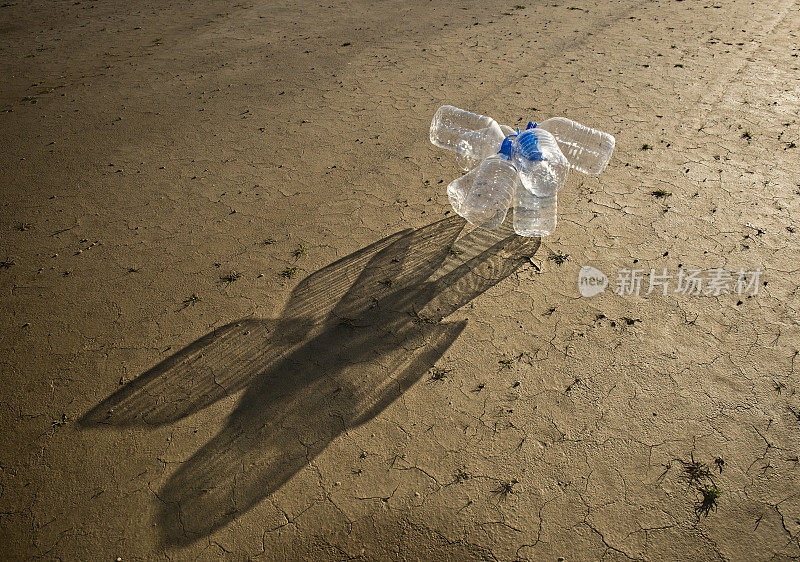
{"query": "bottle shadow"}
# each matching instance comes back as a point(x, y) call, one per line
point(352, 338)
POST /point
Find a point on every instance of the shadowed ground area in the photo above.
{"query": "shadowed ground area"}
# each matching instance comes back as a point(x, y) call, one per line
point(353, 337)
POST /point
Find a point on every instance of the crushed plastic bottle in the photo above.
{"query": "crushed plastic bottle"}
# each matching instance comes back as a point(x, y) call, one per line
point(543, 171)
point(533, 215)
point(471, 136)
point(542, 167)
point(484, 195)
point(587, 150)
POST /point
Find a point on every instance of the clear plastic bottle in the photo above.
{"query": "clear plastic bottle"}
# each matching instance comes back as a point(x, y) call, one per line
point(458, 189)
point(533, 215)
point(484, 195)
point(542, 167)
point(587, 150)
point(471, 136)
point(508, 130)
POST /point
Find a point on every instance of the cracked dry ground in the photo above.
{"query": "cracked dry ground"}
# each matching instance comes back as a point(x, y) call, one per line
point(152, 151)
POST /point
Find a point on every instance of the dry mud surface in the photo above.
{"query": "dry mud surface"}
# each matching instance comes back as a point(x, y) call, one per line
point(162, 165)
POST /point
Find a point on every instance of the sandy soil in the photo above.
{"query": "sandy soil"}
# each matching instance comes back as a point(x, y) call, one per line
point(151, 149)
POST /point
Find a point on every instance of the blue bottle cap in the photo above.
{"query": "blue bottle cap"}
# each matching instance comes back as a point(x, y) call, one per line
point(506, 147)
point(528, 146)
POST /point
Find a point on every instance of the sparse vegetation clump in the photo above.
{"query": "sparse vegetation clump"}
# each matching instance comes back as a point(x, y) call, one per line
point(191, 300)
point(696, 472)
point(558, 257)
point(505, 489)
point(708, 501)
point(288, 272)
point(230, 277)
point(439, 374)
point(460, 476)
point(62, 421)
point(299, 251)
point(700, 477)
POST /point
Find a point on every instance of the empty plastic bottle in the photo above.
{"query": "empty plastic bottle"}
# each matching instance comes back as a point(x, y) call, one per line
point(471, 136)
point(542, 167)
point(533, 215)
point(483, 196)
point(587, 150)
point(508, 130)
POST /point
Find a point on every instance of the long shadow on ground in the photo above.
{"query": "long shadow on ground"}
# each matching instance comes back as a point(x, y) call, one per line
point(352, 338)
